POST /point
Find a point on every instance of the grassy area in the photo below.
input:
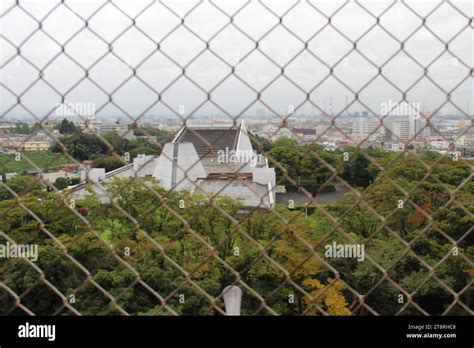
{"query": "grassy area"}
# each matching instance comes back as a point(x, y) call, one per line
point(44, 160)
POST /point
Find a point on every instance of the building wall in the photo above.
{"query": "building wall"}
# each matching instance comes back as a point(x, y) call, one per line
point(36, 146)
point(244, 145)
point(405, 128)
point(94, 175)
point(363, 127)
point(182, 173)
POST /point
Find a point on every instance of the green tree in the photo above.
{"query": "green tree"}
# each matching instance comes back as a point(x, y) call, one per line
point(85, 146)
point(61, 183)
point(108, 162)
point(67, 127)
point(21, 185)
point(285, 156)
point(22, 128)
point(359, 172)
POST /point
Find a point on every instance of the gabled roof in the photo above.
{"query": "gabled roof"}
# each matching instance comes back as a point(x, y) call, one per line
point(208, 141)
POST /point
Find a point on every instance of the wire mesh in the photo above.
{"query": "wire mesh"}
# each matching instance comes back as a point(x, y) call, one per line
point(126, 245)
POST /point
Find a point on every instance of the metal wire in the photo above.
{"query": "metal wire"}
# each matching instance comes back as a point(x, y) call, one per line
point(230, 21)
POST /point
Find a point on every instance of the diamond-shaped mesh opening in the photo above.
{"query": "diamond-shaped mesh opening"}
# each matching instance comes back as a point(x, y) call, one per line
point(430, 290)
point(41, 300)
point(316, 155)
point(386, 292)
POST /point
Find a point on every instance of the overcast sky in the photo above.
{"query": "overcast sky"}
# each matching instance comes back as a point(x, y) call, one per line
point(209, 22)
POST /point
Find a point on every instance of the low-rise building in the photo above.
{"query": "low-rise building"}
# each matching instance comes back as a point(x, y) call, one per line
point(36, 145)
point(121, 129)
point(11, 143)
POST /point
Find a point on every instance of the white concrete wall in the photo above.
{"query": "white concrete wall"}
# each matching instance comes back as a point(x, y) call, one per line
point(93, 175)
point(244, 148)
point(266, 176)
point(144, 165)
point(189, 167)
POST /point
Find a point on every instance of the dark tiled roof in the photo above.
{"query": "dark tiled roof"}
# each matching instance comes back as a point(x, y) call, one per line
point(305, 131)
point(209, 141)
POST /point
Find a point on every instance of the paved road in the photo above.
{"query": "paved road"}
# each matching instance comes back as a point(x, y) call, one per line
point(301, 198)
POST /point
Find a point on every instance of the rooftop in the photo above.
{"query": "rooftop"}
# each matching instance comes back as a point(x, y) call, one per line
point(208, 142)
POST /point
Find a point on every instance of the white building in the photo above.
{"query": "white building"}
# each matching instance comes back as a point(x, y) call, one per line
point(364, 127)
point(439, 145)
point(213, 160)
point(121, 129)
point(404, 122)
point(404, 128)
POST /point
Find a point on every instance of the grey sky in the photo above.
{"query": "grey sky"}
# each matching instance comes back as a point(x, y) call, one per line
point(236, 49)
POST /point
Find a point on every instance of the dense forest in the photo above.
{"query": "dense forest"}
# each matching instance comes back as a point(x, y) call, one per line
point(153, 252)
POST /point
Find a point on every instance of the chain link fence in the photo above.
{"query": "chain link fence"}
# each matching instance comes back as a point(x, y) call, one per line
point(350, 228)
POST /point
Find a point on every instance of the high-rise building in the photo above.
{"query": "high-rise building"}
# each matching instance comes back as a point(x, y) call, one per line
point(404, 128)
point(363, 127)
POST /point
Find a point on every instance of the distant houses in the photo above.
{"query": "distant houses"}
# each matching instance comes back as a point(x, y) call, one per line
point(23, 143)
